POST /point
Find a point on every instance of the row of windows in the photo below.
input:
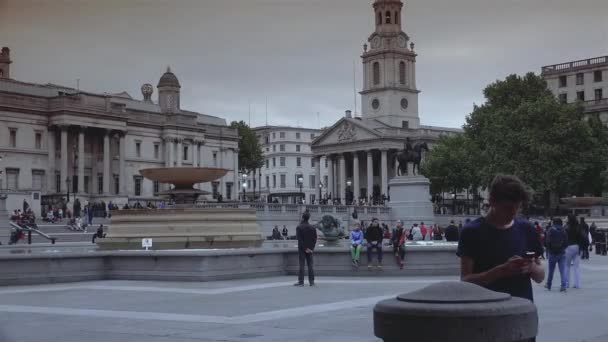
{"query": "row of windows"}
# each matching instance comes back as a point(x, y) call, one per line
point(580, 78)
point(282, 148)
point(297, 181)
point(282, 162)
point(580, 96)
point(12, 139)
point(387, 18)
point(376, 73)
point(283, 134)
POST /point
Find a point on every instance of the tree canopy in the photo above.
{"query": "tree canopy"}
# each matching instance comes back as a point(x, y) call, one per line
point(251, 156)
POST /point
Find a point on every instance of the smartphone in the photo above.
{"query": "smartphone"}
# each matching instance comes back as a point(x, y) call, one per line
point(530, 255)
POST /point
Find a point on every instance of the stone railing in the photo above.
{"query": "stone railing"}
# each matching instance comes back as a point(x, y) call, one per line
point(270, 209)
point(557, 68)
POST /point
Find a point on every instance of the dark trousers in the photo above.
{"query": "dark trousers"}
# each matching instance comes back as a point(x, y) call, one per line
point(399, 251)
point(378, 248)
point(306, 257)
point(585, 252)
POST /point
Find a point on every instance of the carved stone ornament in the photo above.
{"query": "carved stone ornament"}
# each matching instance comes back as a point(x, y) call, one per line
point(347, 132)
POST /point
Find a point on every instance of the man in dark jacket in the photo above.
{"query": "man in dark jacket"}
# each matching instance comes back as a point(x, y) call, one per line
point(451, 232)
point(373, 236)
point(307, 239)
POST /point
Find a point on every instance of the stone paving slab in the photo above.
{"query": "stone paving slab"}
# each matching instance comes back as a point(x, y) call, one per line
point(267, 309)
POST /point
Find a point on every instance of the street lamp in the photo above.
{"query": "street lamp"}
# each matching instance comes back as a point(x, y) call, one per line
point(244, 191)
point(348, 184)
point(301, 182)
point(68, 182)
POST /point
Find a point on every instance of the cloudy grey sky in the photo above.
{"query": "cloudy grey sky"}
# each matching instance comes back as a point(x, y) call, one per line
point(299, 53)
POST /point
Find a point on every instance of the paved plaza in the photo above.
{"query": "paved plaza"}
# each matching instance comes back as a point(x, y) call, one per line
point(268, 309)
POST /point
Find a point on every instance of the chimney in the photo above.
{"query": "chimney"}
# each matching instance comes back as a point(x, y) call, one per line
point(349, 114)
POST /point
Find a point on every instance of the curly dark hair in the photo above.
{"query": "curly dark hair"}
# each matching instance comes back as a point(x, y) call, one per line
point(509, 188)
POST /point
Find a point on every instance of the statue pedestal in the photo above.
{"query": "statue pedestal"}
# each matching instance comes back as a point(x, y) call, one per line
point(411, 200)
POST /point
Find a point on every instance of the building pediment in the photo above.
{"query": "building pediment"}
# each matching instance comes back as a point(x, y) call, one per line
point(346, 131)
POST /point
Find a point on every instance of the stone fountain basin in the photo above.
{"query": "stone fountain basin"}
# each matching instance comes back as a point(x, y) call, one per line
point(183, 177)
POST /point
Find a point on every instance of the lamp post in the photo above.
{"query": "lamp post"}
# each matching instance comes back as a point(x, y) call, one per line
point(68, 182)
point(301, 182)
point(348, 184)
point(244, 191)
point(320, 192)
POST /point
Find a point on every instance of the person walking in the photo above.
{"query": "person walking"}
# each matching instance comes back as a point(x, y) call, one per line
point(417, 234)
point(557, 241)
point(373, 236)
point(398, 242)
point(285, 233)
point(573, 259)
point(307, 239)
point(585, 241)
point(451, 232)
point(356, 241)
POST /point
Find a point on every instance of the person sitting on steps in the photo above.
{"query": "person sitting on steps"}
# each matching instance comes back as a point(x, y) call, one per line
point(373, 236)
point(356, 240)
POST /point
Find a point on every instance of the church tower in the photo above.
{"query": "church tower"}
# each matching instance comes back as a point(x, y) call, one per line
point(389, 70)
point(168, 92)
point(5, 62)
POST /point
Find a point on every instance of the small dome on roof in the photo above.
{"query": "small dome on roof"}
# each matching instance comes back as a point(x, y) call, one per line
point(168, 79)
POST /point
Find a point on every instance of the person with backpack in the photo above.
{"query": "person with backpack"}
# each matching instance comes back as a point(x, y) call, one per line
point(573, 259)
point(556, 243)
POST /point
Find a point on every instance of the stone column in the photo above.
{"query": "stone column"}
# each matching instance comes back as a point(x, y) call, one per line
point(106, 162)
point(370, 174)
point(81, 159)
point(396, 164)
point(330, 176)
point(122, 151)
point(179, 152)
point(356, 176)
point(51, 162)
point(94, 170)
point(194, 153)
point(384, 173)
point(168, 146)
point(64, 158)
point(318, 177)
point(342, 180)
point(235, 185)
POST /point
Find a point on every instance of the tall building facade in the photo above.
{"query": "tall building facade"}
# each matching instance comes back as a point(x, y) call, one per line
point(361, 151)
point(288, 174)
point(56, 139)
point(584, 80)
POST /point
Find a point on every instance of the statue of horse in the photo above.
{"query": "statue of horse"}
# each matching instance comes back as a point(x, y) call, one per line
point(410, 156)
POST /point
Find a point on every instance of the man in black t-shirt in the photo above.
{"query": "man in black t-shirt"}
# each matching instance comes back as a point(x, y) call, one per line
point(307, 239)
point(497, 251)
point(451, 232)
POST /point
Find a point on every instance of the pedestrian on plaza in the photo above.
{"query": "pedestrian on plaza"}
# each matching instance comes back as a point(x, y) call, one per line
point(307, 239)
point(373, 237)
point(285, 233)
point(451, 232)
point(586, 243)
point(497, 251)
point(557, 242)
point(437, 233)
point(423, 230)
point(575, 242)
point(99, 234)
point(356, 242)
point(398, 242)
point(416, 233)
point(276, 235)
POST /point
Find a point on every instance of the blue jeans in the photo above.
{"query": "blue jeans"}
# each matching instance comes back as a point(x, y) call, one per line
point(572, 257)
point(370, 248)
point(560, 260)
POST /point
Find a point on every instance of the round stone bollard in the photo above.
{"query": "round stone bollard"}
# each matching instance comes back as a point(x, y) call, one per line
point(455, 312)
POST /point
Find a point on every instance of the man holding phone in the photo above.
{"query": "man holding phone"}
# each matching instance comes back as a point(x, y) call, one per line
point(498, 251)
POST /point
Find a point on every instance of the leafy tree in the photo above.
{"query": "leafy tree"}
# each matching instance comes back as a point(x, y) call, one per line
point(251, 157)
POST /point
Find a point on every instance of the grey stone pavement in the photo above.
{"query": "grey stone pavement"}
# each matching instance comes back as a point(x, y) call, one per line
point(268, 309)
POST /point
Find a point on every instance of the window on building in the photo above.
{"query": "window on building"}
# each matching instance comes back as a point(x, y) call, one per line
point(13, 137)
point(326, 162)
point(156, 151)
point(38, 180)
point(116, 185)
point(274, 135)
point(563, 81)
point(396, 17)
point(214, 189)
point(57, 182)
point(311, 181)
point(402, 72)
point(267, 149)
point(12, 179)
point(137, 185)
point(563, 98)
point(229, 191)
point(297, 135)
point(87, 180)
point(282, 135)
point(405, 124)
point(185, 156)
point(282, 148)
point(282, 161)
point(156, 187)
point(598, 94)
point(138, 149)
point(283, 182)
point(267, 139)
point(388, 17)
point(274, 148)
point(267, 163)
point(312, 136)
point(274, 181)
point(597, 76)
point(580, 95)
point(100, 183)
point(297, 148)
point(376, 73)
point(214, 158)
point(299, 162)
point(312, 162)
point(580, 78)
point(297, 180)
point(267, 182)
point(38, 141)
point(274, 162)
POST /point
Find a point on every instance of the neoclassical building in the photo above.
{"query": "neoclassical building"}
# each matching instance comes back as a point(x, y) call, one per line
point(361, 150)
point(55, 139)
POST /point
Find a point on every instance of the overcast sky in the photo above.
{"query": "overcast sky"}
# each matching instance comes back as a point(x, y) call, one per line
point(298, 53)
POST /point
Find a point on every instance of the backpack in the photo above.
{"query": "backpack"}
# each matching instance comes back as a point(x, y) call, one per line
point(556, 240)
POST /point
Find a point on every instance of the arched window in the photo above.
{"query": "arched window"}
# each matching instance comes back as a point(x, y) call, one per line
point(376, 73)
point(402, 72)
point(379, 19)
point(388, 17)
point(396, 17)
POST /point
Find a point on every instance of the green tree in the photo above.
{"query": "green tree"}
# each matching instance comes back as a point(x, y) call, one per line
point(251, 157)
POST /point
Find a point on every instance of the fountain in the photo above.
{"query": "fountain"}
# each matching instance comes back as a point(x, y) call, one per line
point(183, 226)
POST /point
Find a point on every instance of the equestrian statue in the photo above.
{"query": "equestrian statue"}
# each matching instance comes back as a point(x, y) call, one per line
point(410, 155)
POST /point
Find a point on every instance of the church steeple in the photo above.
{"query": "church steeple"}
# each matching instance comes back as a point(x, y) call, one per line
point(389, 70)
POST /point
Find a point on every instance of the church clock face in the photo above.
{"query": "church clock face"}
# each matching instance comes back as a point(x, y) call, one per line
point(376, 42)
point(401, 42)
point(375, 104)
point(404, 103)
